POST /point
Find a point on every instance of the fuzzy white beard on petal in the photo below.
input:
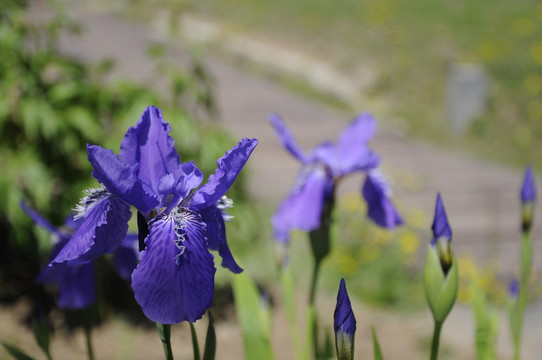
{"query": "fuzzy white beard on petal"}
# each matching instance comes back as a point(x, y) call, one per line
point(92, 197)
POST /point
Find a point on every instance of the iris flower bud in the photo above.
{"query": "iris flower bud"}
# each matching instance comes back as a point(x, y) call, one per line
point(441, 277)
point(528, 197)
point(344, 324)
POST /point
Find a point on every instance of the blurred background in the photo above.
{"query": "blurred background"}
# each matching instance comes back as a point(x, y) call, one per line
point(456, 87)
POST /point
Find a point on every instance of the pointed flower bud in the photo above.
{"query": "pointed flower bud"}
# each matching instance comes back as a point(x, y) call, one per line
point(528, 197)
point(441, 278)
point(528, 189)
point(344, 324)
point(442, 235)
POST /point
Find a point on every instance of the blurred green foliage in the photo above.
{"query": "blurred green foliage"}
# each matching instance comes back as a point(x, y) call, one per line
point(51, 106)
point(403, 49)
point(382, 267)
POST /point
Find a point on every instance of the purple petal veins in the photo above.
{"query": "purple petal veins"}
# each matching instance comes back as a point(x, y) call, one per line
point(344, 319)
point(173, 284)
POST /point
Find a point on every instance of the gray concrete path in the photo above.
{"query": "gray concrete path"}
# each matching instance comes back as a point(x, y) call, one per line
point(481, 197)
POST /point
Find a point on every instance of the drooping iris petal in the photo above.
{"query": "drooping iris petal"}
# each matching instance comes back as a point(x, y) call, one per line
point(76, 285)
point(174, 280)
point(286, 138)
point(126, 256)
point(377, 194)
point(528, 189)
point(353, 152)
point(102, 231)
point(216, 237)
point(120, 178)
point(303, 207)
point(149, 145)
point(441, 227)
point(229, 166)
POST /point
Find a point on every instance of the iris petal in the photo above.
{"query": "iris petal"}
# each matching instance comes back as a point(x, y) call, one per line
point(353, 151)
point(441, 227)
point(381, 210)
point(120, 178)
point(126, 256)
point(344, 319)
point(216, 237)
point(101, 232)
point(303, 207)
point(76, 285)
point(169, 286)
point(38, 219)
point(149, 145)
point(229, 166)
point(286, 138)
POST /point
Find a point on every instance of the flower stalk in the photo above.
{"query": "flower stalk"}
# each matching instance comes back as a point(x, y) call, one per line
point(164, 332)
point(519, 303)
point(88, 337)
point(436, 340)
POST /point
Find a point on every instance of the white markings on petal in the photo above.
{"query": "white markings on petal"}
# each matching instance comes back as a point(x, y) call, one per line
point(92, 197)
point(223, 204)
point(383, 180)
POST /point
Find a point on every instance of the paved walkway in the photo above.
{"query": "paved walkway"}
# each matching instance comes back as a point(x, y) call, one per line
point(481, 197)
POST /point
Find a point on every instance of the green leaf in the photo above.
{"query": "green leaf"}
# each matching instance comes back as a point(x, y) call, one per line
point(210, 340)
point(195, 345)
point(487, 324)
point(376, 345)
point(16, 353)
point(288, 298)
point(247, 304)
point(42, 335)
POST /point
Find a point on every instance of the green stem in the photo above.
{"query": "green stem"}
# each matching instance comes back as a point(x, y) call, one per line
point(526, 265)
point(164, 331)
point(436, 341)
point(195, 345)
point(88, 331)
point(314, 280)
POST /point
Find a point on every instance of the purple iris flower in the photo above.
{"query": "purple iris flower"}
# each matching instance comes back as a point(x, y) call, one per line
point(76, 285)
point(323, 168)
point(344, 324)
point(442, 235)
point(174, 280)
point(528, 189)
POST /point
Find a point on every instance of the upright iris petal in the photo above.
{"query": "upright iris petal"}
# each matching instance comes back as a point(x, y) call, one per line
point(286, 138)
point(344, 325)
point(149, 145)
point(229, 167)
